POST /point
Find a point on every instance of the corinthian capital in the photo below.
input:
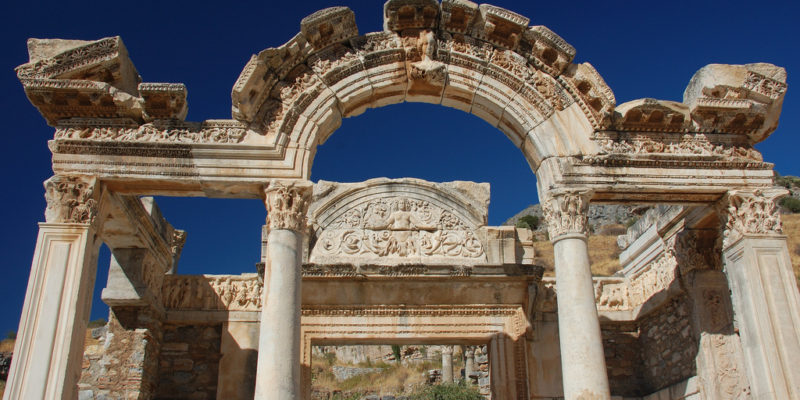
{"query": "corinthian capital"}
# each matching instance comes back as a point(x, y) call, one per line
point(70, 199)
point(566, 212)
point(751, 212)
point(287, 204)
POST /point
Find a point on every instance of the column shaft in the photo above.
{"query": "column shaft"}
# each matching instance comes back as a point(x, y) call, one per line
point(49, 347)
point(278, 375)
point(583, 362)
point(279, 342)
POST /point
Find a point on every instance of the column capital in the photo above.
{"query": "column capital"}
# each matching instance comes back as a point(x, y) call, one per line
point(71, 199)
point(750, 212)
point(566, 212)
point(287, 203)
point(447, 349)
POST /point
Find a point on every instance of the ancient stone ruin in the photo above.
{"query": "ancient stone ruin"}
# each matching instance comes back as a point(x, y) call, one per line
point(705, 308)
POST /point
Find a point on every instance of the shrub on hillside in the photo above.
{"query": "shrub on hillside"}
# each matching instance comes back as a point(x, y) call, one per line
point(450, 391)
point(791, 203)
point(529, 221)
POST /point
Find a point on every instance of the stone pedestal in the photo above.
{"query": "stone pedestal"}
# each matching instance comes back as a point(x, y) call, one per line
point(764, 293)
point(447, 364)
point(278, 374)
point(49, 347)
point(582, 359)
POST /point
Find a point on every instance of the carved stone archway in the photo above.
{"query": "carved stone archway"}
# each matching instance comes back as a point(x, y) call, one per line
point(130, 138)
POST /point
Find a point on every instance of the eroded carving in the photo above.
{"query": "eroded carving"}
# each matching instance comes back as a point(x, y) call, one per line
point(287, 203)
point(751, 213)
point(70, 199)
point(566, 213)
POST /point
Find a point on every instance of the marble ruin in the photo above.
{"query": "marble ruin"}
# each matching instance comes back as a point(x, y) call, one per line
point(705, 308)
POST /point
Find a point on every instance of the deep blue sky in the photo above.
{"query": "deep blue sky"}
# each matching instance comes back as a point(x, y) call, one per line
point(641, 48)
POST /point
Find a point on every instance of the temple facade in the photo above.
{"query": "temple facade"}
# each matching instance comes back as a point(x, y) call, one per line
point(706, 306)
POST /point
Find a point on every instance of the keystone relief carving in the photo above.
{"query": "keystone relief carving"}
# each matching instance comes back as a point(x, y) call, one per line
point(399, 227)
point(70, 199)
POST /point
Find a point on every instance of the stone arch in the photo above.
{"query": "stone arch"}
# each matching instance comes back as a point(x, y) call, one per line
point(480, 59)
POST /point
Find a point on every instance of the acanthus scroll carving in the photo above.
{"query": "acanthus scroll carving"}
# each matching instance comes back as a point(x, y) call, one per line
point(751, 212)
point(287, 204)
point(567, 212)
point(70, 199)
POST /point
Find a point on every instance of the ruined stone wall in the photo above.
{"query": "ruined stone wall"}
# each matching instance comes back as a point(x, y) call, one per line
point(668, 349)
point(189, 362)
point(623, 360)
point(120, 360)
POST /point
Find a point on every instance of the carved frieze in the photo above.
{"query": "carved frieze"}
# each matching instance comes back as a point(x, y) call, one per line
point(658, 276)
point(122, 130)
point(665, 145)
point(566, 212)
point(71, 199)
point(287, 203)
point(611, 294)
point(199, 292)
point(751, 213)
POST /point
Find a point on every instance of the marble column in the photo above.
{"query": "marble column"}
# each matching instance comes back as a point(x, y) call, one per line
point(469, 363)
point(764, 294)
point(582, 359)
point(49, 349)
point(278, 373)
point(447, 364)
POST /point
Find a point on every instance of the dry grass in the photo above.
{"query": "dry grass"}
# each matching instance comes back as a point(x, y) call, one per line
point(395, 379)
point(603, 254)
point(7, 345)
point(791, 228)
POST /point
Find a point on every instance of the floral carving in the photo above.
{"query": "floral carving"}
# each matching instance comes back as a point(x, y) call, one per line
point(751, 212)
point(566, 213)
point(287, 205)
point(70, 199)
point(398, 227)
point(177, 241)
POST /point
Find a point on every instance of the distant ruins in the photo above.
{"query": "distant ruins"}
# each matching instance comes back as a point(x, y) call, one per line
point(706, 306)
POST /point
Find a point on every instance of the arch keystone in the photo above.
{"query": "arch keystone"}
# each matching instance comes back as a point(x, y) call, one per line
point(399, 15)
point(331, 25)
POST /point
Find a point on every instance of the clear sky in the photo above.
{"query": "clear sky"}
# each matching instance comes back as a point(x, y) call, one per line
point(641, 48)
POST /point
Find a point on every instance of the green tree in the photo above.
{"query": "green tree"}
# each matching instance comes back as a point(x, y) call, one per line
point(447, 391)
point(529, 221)
point(396, 352)
point(791, 203)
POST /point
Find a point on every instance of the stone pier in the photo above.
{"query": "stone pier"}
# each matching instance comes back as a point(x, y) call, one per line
point(582, 359)
point(763, 292)
point(447, 364)
point(278, 373)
